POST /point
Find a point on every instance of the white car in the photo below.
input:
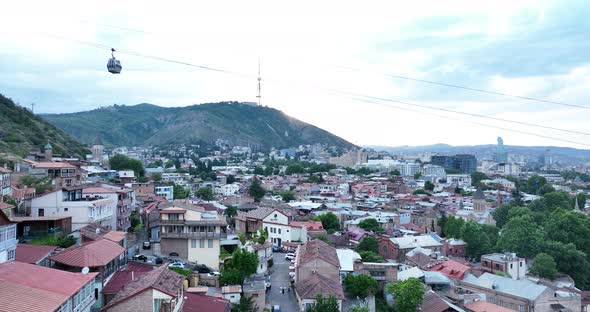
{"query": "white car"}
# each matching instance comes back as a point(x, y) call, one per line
point(214, 273)
point(290, 256)
point(177, 265)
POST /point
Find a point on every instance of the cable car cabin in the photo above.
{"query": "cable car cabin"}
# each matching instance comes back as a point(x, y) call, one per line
point(114, 66)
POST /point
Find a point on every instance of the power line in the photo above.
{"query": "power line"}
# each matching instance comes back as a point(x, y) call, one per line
point(101, 46)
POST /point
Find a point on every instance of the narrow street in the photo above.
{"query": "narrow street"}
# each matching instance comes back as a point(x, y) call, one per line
point(280, 278)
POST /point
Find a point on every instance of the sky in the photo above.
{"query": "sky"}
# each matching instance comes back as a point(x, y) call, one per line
point(318, 58)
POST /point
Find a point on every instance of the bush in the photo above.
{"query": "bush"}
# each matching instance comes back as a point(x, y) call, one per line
point(181, 271)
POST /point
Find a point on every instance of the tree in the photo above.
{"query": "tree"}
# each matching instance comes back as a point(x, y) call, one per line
point(40, 184)
point(371, 224)
point(477, 177)
point(135, 221)
point(408, 294)
point(369, 256)
point(570, 261)
point(582, 197)
point(477, 241)
point(429, 186)
point(180, 192)
point(262, 235)
point(205, 193)
point(359, 308)
point(395, 172)
point(417, 175)
point(169, 163)
point(361, 285)
point(501, 215)
point(255, 190)
point(246, 304)
point(231, 211)
point(122, 162)
point(157, 177)
point(242, 264)
point(547, 188)
point(569, 227)
point(544, 266)
point(323, 237)
point(534, 184)
point(294, 168)
point(66, 241)
point(420, 192)
point(287, 196)
point(453, 227)
point(230, 179)
point(558, 199)
point(522, 236)
point(268, 170)
point(368, 243)
point(330, 222)
point(324, 304)
point(258, 171)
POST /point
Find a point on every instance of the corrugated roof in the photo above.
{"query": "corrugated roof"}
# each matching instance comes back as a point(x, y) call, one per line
point(199, 303)
point(318, 249)
point(484, 306)
point(32, 253)
point(126, 275)
point(406, 242)
point(27, 287)
point(94, 254)
point(521, 288)
point(318, 284)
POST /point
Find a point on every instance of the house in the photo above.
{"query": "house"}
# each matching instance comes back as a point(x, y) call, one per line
point(27, 287)
point(384, 273)
point(30, 227)
point(192, 233)
point(123, 277)
point(70, 201)
point(156, 290)
point(197, 303)
point(126, 176)
point(314, 228)
point(103, 256)
point(434, 302)
point(397, 247)
point(226, 189)
point(166, 191)
point(264, 252)
point(317, 271)
point(506, 263)
point(123, 198)
point(281, 230)
point(5, 188)
point(62, 173)
point(450, 268)
point(455, 247)
point(520, 295)
point(256, 290)
point(35, 254)
point(483, 306)
point(8, 239)
point(232, 293)
point(347, 258)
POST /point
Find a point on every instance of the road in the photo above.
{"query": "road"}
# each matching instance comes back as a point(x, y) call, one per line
point(280, 278)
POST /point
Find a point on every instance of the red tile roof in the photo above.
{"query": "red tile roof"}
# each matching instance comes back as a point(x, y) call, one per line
point(124, 276)
point(52, 165)
point(318, 284)
point(312, 226)
point(33, 253)
point(27, 287)
point(450, 268)
point(98, 190)
point(199, 303)
point(483, 306)
point(94, 254)
point(315, 249)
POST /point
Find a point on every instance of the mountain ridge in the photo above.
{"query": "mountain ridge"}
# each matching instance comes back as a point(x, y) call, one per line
point(149, 124)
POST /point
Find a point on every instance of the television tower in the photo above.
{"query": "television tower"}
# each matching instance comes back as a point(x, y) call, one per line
point(259, 97)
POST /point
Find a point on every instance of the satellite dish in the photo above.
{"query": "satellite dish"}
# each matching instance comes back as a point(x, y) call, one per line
point(85, 270)
point(97, 231)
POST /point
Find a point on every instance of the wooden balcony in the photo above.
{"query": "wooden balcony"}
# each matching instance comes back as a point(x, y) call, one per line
point(194, 235)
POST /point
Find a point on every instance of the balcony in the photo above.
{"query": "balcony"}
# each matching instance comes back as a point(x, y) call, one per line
point(194, 235)
point(214, 222)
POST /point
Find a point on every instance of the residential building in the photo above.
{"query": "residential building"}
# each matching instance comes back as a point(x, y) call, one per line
point(5, 188)
point(281, 230)
point(176, 178)
point(384, 273)
point(347, 258)
point(397, 247)
point(156, 290)
point(27, 287)
point(123, 198)
point(455, 247)
point(72, 202)
point(521, 295)
point(450, 268)
point(198, 303)
point(166, 191)
point(505, 263)
point(409, 169)
point(8, 239)
point(35, 254)
point(226, 189)
point(232, 293)
point(62, 173)
point(314, 228)
point(264, 252)
point(192, 233)
point(30, 227)
point(459, 180)
point(350, 158)
point(257, 291)
point(434, 171)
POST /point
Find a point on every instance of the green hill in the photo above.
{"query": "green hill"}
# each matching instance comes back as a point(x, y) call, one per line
point(21, 132)
point(147, 124)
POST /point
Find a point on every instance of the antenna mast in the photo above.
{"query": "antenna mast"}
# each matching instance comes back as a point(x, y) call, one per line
point(259, 97)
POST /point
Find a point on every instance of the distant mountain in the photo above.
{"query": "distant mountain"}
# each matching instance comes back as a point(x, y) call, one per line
point(21, 132)
point(147, 124)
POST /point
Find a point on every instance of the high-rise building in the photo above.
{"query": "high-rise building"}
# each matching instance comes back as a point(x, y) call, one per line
point(464, 163)
point(501, 155)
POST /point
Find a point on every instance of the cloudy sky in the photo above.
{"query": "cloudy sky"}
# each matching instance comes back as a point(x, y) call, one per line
point(314, 55)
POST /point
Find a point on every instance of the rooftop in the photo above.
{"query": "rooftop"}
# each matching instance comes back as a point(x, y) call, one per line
point(123, 277)
point(318, 249)
point(406, 242)
point(33, 253)
point(483, 306)
point(318, 284)
point(521, 288)
point(94, 254)
point(197, 303)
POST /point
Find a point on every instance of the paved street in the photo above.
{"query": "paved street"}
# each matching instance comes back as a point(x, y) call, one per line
point(280, 278)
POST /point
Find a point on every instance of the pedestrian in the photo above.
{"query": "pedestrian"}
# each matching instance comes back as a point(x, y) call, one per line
point(289, 290)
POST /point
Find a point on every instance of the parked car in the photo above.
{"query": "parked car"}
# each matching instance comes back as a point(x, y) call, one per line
point(140, 258)
point(276, 249)
point(177, 264)
point(158, 260)
point(290, 256)
point(214, 274)
point(147, 245)
point(276, 308)
point(202, 268)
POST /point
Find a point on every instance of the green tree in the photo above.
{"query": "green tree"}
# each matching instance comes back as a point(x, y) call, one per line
point(417, 176)
point(325, 304)
point(453, 227)
point(544, 266)
point(371, 224)
point(156, 177)
point(361, 285)
point(135, 221)
point(205, 193)
point(262, 235)
point(255, 190)
point(369, 256)
point(231, 211)
point(534, 184)
point(582, 197)
point(477, 177)
point(287, 196)
point(323, 237)
point(547, 188)
point(169, 163)
point(242, 264)
point(330, 222)
point(395, 172)
point(408, 294)
point(501, 215)
point(258, 171)
point(246, 304)
point(294, 168)
point(570, 261)
point(569, 227)
point(230, 179)
point(359, 308)
point(40, 184)
point(369, 243)
point(522, 236)
point(231, 277)
point(558, 199)
point(477, 241)
point(420, 192)
point(66, 241)
point(180, 192)
point(122, 162)
point(268, 170)
point(429, 186)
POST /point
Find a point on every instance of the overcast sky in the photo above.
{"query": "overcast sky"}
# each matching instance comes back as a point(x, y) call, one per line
point(308, 49)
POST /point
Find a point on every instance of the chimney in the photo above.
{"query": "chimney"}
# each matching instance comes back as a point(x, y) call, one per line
point(132, 276)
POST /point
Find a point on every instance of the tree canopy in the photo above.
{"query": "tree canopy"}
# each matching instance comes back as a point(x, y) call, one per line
point(122, 162)
point(330, 221)
point(371, 224)
point(325, 304)
point(408, 294)
point(361, 285)
point(544, 266)
point(205, 193)
point(255, 190)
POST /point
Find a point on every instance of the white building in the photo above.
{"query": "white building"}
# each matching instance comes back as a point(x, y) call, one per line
point(434, 171)
point(166, 191)
point(279, 229)
point(502, 182)
point(177, 178)
point(5, 189)
point(409, 169)
point(226, 189)
point(460, 180)
point(7, 239)
point(72, 203)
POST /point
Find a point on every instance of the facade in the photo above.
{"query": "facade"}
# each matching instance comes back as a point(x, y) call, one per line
point(409, 169)
point(72, 202)
point(397, 247)
point(434, 171)
point(280, 230)
point(192, 233)
point(5, 189)
point(63, 174)
point(8, 239)
point(463, 162)
point(460, 180)
point(501, 155)
point(350, 158)
point(505, 263)
point(226, 189)
point(123, 198)
point(166, 191)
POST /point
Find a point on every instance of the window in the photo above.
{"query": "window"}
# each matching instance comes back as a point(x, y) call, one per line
point(279, 231)
point(497, 266)
point(521, 264)
point(40, 212)
point(65, 209)
point(511, 265)
point(210, 243)
point(276, 215)
point(11, 254)
point(193, 243)
point(202, 243)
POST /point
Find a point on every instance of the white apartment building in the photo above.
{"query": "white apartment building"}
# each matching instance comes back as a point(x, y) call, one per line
point(7, 239)
point(434, 171)
point(279, 229)
point(5, 189)
point(460, 180)
point(71, 202)
point(192, 233)
point(177, 178)
point(409, 169)
point(226, 189)
point(166, 191)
